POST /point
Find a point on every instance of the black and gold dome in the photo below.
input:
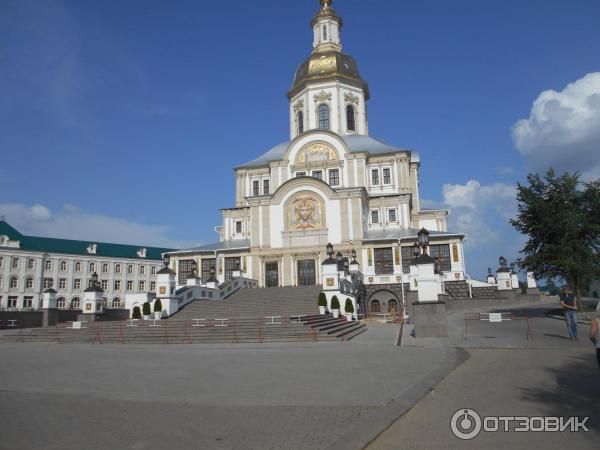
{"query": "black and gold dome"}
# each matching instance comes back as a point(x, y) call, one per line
point(324, 66)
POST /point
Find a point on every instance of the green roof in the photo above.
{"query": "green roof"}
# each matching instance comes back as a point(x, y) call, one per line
point(72, 247)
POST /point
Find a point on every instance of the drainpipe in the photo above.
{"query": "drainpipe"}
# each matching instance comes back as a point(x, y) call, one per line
point(402, 276)
point(468, 277)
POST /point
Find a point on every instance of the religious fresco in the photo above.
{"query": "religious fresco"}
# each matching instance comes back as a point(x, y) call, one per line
point(318, 152)
point(305, 212)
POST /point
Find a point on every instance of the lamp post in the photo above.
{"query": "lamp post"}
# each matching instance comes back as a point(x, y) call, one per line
point(502, 261)
point(353, 255)
point(423, 239)
point(338, 259)
point(194, 267)
point(416, 250)
point(346, 265)
point(329, 250)
point(166, 260)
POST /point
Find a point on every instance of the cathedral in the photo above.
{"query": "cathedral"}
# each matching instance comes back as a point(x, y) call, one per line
point(330, 183)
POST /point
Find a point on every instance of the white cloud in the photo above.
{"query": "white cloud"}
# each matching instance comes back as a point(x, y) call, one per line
point(563, 129)
point(73, 223)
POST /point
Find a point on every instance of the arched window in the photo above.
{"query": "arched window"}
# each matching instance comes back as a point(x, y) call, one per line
point(375, 306)
point(29, 283)
point(75, 303)
point(350, 118)
point(78, 266)
point(116, 303)
point(48, 265)
point(104, 268)
point(63, 266)
point(300, 122)
point(92, 267)
point(61, 302)
point(324, 117)
point(392, 306)
point(117, 268)
point(13, 283)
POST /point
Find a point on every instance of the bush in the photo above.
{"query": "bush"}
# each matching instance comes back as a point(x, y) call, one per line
point(349, 307)
point(136, 313)
point(146, 309)
point(322, 299)
point(158, 305)
point(335, 303)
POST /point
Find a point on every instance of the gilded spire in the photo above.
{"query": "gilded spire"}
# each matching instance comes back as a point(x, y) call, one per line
point(326, 3)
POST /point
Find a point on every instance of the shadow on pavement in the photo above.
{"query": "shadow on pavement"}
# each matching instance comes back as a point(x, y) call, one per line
point(576, 392)
point(558, 336)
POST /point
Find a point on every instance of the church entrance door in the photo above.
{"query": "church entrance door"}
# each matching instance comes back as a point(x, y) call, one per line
point(271, 274)
point(307, 273)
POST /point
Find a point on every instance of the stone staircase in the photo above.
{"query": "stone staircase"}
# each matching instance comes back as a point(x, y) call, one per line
point(340, 328)
point(255, 303)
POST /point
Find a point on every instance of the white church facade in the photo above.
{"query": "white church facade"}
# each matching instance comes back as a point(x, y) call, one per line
point(330, 183)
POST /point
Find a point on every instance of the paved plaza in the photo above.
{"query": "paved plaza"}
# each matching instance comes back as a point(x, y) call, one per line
point(337, 395)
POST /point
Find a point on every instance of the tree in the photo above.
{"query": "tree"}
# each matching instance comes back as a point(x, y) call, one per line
point(157, 305)
point(322, 301)
point(146, 309)
point(136, 314)
point(560, 215)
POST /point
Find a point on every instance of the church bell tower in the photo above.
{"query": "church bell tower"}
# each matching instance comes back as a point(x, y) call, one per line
point(328, 92)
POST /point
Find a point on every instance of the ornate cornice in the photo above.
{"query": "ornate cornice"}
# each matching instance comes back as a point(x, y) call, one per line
point(322, 97)
point(298, 106)
point(350, 98)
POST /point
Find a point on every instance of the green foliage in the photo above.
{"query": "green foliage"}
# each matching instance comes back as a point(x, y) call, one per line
point(146, 309)
point(322, 299)
point(136, 314)
point(560, 215)
point(158, 305)
point(335, 303)
point(349, 307)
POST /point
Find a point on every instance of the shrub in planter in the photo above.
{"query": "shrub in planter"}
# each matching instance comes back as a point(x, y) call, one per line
point(146, 309)
point(158, 305)
point(322, 302)
point(335, 306)
point(349, 308)
point(136, 314)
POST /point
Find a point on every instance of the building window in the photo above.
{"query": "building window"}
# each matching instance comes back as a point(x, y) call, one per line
point(384, 261)
point(28, 302)
point(207, 264)
point(116, 303)
point(29, 283)
point(350, 118)
point(78, 266)
point(92, 268)
point(325, 32)
point(266, 187)
point(375, 216)
point(0, 288)
point(318, 174)
point(375, 177)
point(392, 215)
point(48, 283)
point(61, 302)
point(142, 286)
point(130, 269)
point(117, 268)
point(300, 174)
point(75, 303)
point(441, 253)
point(407, 258)
point(231, 264)
point(1, 262)
point(185, 270)
point(375, 306)
point(255, 188)
point(238, 227)
point(48, 265)
point(104, 284)
point(300, 122)
point(13, 283)
point(152, 286)
point(324, 117)
point(142, 270)
point(153, 270)
point(334, 177)
point(104, 268)
point(130, 285)
point(14, 262)
point(12, 302)
point(117, 285)
point(30, 263)
point(77, 284)
point(387, 177)
point(63, 266)
point(62, 283)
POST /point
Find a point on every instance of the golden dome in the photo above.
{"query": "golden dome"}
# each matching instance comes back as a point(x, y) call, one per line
point(323, 66)
point(326, 11)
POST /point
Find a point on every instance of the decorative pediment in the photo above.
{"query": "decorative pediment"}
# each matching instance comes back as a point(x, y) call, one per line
point(351, 98)
point(141, 252)
point(298, 106)
point(316, 153)
point(92, 248)
point(322, 97)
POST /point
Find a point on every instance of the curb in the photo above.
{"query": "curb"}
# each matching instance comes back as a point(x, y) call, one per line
point(552, 315)
point(365, 433)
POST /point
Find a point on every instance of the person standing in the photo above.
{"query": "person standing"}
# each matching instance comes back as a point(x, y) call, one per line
point(570, 307)
point(595, 332)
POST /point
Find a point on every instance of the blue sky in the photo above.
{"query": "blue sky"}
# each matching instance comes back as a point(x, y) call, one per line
point(123, 120)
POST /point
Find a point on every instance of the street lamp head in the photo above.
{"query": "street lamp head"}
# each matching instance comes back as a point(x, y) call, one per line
point(353, 255)
point(213, 271)
point(490, 274)
point(346, 265)
point(502, 261)
point(338, 257)
point(166, 260)
point(329, 250)
point(423, 237)
point(94, 278)
point(416, 250)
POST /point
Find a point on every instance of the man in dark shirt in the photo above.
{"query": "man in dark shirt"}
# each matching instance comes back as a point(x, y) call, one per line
point(570, 307)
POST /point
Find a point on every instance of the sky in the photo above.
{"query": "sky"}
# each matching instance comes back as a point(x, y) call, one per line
point(122, 121)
